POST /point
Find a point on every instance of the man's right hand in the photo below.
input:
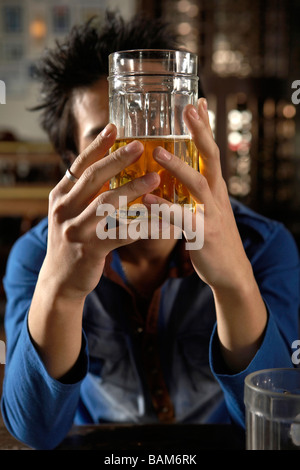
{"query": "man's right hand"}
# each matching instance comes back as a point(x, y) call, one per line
point(75, 255)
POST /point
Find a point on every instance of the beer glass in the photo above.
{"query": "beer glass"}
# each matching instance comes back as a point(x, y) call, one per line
point(148, 90)
point(272, 399)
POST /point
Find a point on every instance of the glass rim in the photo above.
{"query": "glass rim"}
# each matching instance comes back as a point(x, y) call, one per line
point(256, 388)
point(183, 51)
point(174, 55)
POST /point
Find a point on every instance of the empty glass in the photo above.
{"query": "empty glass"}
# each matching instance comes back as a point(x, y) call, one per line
point(272, 399)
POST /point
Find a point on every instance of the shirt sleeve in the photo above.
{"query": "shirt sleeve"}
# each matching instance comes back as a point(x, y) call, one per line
point(37, 409)
point(276, 269)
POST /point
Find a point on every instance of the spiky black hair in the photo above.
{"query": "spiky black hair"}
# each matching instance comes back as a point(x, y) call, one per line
point(80, 60)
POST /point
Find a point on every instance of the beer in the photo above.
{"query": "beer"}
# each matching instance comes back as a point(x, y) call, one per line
point(170, 188)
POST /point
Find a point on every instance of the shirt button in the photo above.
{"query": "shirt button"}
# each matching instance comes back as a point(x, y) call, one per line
point(165, 409)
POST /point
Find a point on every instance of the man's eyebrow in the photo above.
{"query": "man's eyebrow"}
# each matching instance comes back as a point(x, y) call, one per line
point(93, 132)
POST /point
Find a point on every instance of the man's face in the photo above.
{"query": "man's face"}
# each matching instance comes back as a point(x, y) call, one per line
point(90, 108)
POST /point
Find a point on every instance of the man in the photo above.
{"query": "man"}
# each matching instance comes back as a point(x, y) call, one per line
point(145, 331)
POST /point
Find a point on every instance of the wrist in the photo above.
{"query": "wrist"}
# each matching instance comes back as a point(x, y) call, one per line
point(58, 297)
point(56, 285)
point(241, 320)
point(238, 282)
point(55, 326)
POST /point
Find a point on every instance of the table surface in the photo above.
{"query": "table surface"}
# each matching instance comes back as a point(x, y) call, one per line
point(164, 438)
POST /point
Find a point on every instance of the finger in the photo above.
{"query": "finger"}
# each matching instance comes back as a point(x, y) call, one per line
point(164, 213)
point(94, 152)
point(107, 203)
point(197, 121)
point(166, 217)
point(95, 176)
point(131, 191)
point(194, 181)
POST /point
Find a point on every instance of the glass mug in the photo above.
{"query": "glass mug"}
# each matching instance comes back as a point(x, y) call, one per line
point(272, 400)
point(148, 90)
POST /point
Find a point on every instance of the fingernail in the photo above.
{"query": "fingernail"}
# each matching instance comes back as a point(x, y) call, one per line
point(161, 154)
point(133, 147)
point(150, 199)
point(204, 104)
point(107, 130)
point(193, 113)
point(150, 178)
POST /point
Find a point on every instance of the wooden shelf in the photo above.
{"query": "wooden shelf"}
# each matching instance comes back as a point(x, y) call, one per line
point(35, 153)
point(24, 201)
point(28, 200)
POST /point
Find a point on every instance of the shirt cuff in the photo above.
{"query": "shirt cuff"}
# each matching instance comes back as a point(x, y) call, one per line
point(75, 375)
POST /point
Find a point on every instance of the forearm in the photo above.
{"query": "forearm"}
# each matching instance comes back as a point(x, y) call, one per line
point(37, 409)
point(55, 326)
point(75, 254)
point(221, 262)
point(241, 321)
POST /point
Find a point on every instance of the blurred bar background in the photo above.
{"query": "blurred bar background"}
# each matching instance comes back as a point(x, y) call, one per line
point(249, 52)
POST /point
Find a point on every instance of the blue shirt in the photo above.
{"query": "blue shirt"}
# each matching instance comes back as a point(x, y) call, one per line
point(137, 366)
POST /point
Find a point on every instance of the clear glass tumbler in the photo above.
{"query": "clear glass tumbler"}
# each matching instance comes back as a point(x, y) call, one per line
point(272, 400)
point(148, 90)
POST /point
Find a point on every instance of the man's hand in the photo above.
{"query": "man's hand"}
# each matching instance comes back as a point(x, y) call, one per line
point(73, 245)
point(75, 255)
point(222, 262)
